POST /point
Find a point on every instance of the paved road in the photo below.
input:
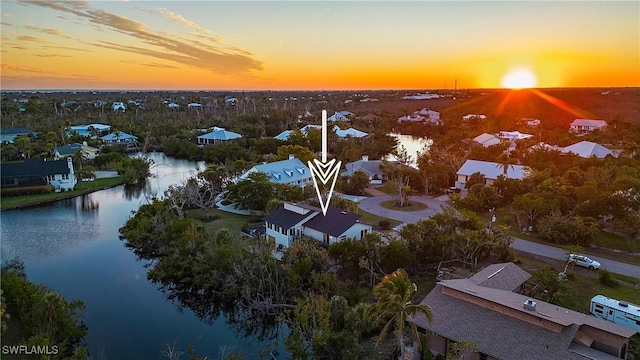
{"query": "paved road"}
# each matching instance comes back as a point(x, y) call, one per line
point(372, 205)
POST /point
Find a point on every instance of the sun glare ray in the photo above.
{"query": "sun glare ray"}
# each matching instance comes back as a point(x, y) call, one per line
point(563, 105)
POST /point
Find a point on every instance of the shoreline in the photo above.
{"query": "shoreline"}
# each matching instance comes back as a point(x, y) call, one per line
point(67, 195)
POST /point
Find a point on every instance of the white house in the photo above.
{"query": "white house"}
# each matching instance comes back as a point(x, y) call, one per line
point(217, 135)
point(350, 132)
point(118, 106)
point(196, 106)
point(173, 105)
point(340, 116)
point(587, 149)
point(38, 171)
point(487, 140)
point(490, 170)
point(531, 122)
point(411, 118)
point(474, 116)
point(291, 171)
point(514, 135)
point(88, 152)
point(293, 221)
point(587, 125)
point(432, 116)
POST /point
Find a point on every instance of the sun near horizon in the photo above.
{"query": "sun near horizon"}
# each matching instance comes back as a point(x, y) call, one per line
point(519, 78)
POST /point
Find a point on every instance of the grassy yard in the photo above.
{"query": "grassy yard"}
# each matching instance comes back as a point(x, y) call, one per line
point(13, 202)
point(414, 206)
point(224, 220)
point(373, 220)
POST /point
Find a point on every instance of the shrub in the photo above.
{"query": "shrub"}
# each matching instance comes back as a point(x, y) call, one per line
point(30, 190)
point(384, 224)
point(607, 280)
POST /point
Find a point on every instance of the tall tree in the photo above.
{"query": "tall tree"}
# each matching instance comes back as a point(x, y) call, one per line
point(394, 304)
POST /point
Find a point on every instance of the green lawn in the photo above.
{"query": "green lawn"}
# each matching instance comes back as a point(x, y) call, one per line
point(414, 206)
point(373, 220)
point(82, 188)
point(226, 220)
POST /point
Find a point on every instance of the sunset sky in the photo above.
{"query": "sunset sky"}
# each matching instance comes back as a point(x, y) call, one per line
point(316, 45)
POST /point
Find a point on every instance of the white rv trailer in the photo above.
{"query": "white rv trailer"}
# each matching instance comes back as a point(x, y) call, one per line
point(620, 312)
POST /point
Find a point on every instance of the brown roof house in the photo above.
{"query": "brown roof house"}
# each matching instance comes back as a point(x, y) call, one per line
point(487, 310)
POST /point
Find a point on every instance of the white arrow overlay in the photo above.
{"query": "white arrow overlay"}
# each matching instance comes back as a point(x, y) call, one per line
point(324, 170)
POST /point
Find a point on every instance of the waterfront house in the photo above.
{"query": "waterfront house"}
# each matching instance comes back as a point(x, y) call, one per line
point(217, 135)
point(293, 221)
point(38, 172)
point(369, 167)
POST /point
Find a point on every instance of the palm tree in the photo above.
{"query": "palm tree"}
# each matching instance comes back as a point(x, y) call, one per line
point(393, 296)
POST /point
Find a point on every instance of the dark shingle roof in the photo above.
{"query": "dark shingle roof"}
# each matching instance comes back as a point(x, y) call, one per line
point(69, 149)
point(505, 276)
point(285, 218)
point(34, 167)
point(335, 223)
point(496, 334)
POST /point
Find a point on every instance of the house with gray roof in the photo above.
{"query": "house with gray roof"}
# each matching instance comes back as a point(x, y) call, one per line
point(120, 138)
point(490, 170)
point(291, 171)
point(587, 149)
point(293, 221)
point(587, 125)
point(369, 167)
point(487, 140)
point(485, 310)
point(88, 152)
point(38, 172)
point(10, 134)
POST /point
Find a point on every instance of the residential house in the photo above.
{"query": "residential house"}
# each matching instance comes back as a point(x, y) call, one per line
point(217, 135)
point(118, 106)
point(120, 138)
point(490, 170)
point(432, 116)
point(91, 130)
point(474, 116)
point(587, 149)
point(490, 311)
point(194, 106)
point(230, 100)
point(587, 125)
point(340, 116)
point(514, 135)
point(350, 132)
point(293, 221)
point(411, 118)
point(531, 122)
point(10, 134)
point(88, 152)
point(173, 105)
point(291, 171)
point(38, 172)
point(369, 167)
point(425, 96)
point(487, 140)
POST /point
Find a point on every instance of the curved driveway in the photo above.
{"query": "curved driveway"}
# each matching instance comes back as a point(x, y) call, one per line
point(372, 205)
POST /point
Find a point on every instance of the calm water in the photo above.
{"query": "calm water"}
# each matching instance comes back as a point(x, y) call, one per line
point(414, 146)
point(78, 253)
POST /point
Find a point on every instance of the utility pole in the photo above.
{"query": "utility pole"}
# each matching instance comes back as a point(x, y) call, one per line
point(492, 219)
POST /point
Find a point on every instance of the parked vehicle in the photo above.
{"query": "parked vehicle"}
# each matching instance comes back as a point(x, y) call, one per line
point(619, 312)
point(453, 190)
point(584, 261)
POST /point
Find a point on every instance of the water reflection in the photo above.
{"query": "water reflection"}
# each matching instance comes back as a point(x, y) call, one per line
point(414, 146)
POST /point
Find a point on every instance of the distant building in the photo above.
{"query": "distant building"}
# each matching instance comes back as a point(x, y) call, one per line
point(586, 125)
point(340, 116)
point(490, 170)
point(487, 140)
point(88, 152)
point(10, 134)
point(120, 138)
point(531, 122)
point(432, 116)
point(514, 135)
point(474, 116)
point(118, 106)
point(89, 130)
point(490, 311)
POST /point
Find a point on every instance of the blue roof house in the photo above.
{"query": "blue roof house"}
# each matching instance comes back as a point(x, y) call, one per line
point(8, 135)
point(217, 135)
point(291, 171)
point(119, 137)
